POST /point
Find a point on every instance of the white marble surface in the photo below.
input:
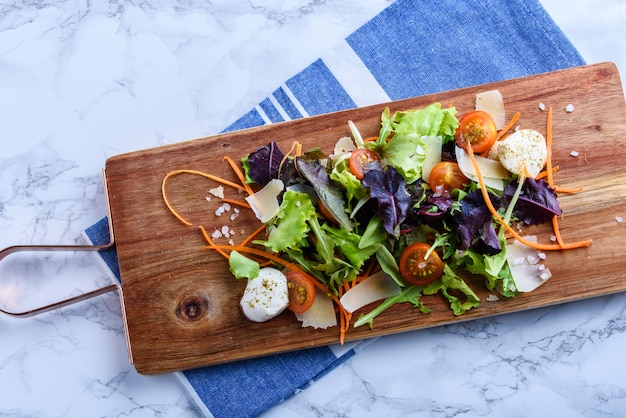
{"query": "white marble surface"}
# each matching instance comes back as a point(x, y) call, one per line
point(84, 80)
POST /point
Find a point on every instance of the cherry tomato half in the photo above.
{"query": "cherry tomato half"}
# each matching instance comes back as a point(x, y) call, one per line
point(476, 129)
point(417, 270)
point(446, 175)
point(359, 158)
point(325, 212)
point(301, 291)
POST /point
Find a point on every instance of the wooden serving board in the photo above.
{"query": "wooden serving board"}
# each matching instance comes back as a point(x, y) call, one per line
point(181, 302)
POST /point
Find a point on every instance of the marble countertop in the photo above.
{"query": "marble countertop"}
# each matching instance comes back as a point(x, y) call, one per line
point(82, 81)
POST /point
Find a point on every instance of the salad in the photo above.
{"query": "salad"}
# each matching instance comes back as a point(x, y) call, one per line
point(389, 219)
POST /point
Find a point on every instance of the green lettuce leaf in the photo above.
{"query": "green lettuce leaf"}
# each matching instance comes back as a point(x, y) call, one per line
point(291, 224)
point(451, 281)
point(241, 266)
point(405, 150)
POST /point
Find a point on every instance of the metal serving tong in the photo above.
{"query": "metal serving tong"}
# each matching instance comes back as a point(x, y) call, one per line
point(75, 299)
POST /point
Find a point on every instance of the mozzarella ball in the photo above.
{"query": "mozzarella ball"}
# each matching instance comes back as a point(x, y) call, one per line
point(265, 296)
point(524, 147)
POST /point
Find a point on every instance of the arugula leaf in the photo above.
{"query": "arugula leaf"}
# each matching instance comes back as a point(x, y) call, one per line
point(389, 264)
point(451, 281)
point(374, 233)
point(326, 190)
point(494, 268)
point(410, 294)
point(341, 174)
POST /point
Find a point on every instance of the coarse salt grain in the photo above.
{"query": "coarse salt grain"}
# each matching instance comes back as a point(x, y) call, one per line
point(569, 108)
point(216, 234)
point(220, 210)
point(574, 153)
point(542, 107)
point(619, 219)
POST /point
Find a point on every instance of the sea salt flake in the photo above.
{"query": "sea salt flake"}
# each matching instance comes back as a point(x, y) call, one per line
point(574, 153)
point(619, 219)
point(220, 210)
point(492, 298)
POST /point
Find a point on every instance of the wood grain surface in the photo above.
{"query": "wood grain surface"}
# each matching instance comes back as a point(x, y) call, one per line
point(181, 302)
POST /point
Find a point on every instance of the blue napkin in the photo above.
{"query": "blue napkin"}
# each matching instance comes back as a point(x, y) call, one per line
point(410, 49)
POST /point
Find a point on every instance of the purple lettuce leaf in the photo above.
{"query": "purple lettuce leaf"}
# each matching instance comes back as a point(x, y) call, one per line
point(390, 191)
point(537, 202)
point(264, 163)
point(475, 225)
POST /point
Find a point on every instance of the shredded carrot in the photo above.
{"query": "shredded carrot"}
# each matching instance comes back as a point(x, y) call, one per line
point(544, 173)
point(494, 213)
point(296, 148)
point(508, 126)
point(195, 172)
point(559, 189)
point(344, 316)
point(549, 171)
point(252, 235)
point(557, 230)
point(212, 244)
point(244, 249)
point(236, 202)
point(239, 175)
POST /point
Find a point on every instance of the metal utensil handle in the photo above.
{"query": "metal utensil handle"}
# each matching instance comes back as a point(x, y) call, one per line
point(109, 288)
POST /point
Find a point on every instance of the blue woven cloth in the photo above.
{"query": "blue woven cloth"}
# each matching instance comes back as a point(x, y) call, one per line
point(412, 48)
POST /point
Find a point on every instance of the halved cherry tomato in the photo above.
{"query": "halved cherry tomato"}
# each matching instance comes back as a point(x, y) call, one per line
point(446, 175)
point(325, 212)
point(417, 270)
point(359, 158)
point(301, 291)
point(476, 129)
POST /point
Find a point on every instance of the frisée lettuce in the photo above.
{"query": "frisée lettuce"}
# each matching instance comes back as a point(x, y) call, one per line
point(401, 138)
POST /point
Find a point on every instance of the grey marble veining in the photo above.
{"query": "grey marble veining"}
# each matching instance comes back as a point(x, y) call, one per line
point(83, 80)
